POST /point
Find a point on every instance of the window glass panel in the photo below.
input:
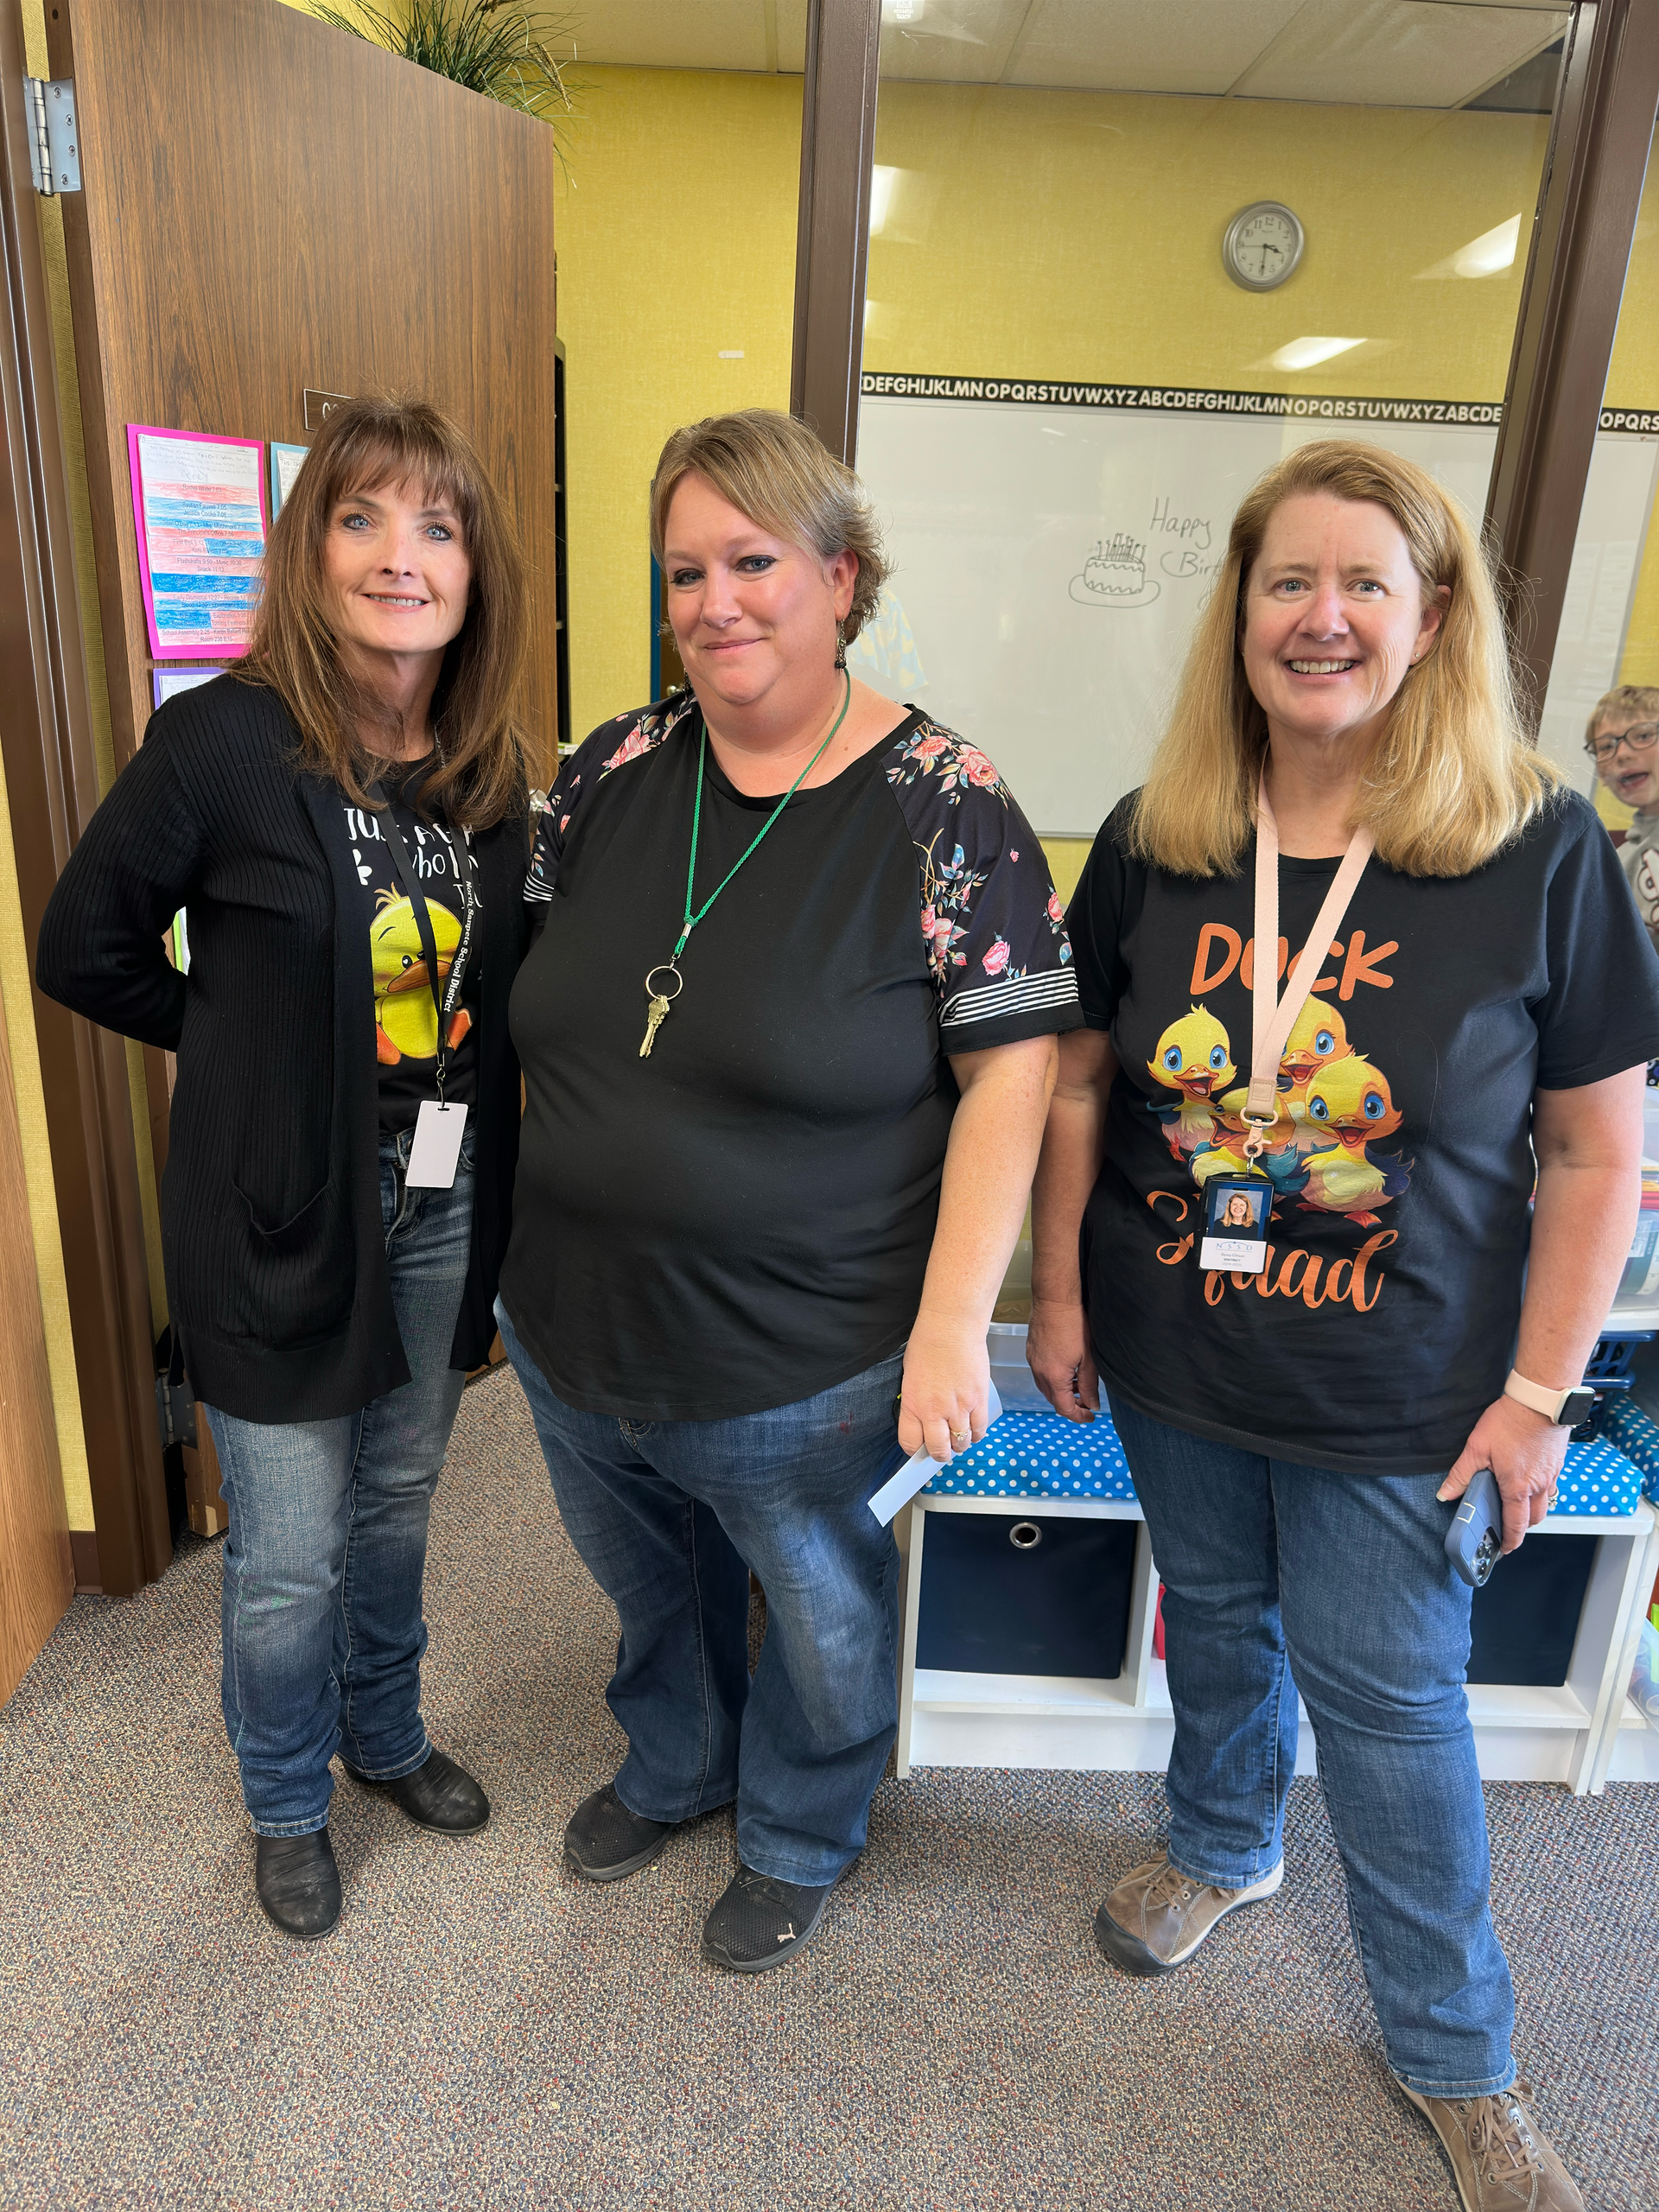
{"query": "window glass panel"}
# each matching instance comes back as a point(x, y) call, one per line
point(1066, 390)
point(676, 224)
point(1609, 632)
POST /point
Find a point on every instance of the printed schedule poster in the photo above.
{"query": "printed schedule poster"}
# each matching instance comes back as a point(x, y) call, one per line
point(199, 504)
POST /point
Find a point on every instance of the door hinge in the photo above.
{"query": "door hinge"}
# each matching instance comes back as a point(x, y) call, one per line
point(175, 1412)
point(53, 139)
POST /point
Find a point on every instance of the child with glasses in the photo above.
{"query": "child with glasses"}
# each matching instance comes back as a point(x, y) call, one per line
point(1621, 739)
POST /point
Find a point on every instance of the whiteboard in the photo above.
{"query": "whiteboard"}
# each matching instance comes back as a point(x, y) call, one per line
point(992, 508)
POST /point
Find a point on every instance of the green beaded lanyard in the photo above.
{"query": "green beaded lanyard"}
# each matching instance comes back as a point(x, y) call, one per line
point(660, 1001)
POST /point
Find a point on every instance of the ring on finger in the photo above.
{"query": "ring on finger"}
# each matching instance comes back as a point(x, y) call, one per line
point(960, 1436)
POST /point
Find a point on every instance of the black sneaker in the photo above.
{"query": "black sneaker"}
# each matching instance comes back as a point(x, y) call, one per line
point(603, 1840)
point(758, 1922)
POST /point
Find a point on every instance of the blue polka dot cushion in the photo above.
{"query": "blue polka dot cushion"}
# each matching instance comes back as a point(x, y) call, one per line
point(1597, 1479)
point(1634, 1432)
point(1040, 1455)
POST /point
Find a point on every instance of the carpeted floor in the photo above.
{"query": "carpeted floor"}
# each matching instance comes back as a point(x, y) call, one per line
point(479, 2033)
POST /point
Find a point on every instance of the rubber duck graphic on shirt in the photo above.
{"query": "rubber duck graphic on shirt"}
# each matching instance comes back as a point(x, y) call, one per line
point(1317, 1036)
point(1350, 1107)
point(1193, 1059)
point(406, 1016)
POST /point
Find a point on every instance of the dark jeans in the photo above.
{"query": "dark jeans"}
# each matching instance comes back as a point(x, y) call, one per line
point(1272, 1570)
point(326, 1549)
point(669, 1517)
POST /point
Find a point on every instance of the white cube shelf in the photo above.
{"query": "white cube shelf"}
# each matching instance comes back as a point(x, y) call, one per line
point(1578, 1735)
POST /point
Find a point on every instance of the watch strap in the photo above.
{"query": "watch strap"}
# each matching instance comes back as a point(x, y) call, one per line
point(1554, 1405)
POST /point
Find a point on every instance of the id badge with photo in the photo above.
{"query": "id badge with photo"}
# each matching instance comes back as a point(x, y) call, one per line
point(435, 1152)
point(1236, 1212)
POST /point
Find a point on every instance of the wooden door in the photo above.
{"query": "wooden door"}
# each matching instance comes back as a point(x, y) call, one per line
point(36, 1577)
point(270, 204)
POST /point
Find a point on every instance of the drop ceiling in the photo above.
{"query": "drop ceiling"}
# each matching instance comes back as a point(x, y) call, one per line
point(1426, 53)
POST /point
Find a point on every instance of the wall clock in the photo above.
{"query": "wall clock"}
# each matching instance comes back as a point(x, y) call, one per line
point(1262, 245)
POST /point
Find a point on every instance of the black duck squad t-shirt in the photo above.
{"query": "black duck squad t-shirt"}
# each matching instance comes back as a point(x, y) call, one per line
point(743, 1218)
point(1385, 1321)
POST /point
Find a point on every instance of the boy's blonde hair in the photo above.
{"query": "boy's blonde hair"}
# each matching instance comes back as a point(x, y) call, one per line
point(1625, 702)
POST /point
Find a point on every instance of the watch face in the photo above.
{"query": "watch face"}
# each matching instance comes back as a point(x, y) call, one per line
point(1262, 245)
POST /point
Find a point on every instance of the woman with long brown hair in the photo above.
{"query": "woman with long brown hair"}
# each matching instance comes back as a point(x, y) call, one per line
point(344, 818)
point(1444, 1126)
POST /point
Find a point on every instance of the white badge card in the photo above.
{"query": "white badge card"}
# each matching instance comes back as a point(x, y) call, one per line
point(435, 1152)
point(1236, 1217)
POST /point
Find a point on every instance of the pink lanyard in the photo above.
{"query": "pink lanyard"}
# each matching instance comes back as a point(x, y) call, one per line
point(1271, 1024)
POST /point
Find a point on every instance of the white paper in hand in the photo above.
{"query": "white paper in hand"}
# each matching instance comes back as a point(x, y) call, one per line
point(900, 1489)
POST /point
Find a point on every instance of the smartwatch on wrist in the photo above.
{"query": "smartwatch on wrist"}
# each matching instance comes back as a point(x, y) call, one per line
point(1566, 1407)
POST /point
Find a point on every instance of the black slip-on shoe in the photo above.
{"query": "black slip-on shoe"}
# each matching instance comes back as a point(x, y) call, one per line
point(759, 1923)
point(297, 1883)
point(439, 1795)
point(604, 1841)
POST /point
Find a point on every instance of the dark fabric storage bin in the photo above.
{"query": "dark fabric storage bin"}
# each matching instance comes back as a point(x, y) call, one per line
point(992, 1605)
point(1523, 1621)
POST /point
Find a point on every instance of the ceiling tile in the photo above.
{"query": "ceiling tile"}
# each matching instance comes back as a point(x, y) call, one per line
point(675, 34)
point(949, 41)
point(1146, 45)
point(1398, 53)
point(791, 36)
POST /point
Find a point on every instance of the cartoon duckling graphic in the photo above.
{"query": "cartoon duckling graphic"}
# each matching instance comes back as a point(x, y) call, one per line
point(1350, 1104)
point(1317, 1036)
point(1280, 1161)
point(1194, 1058)
point(405, 1019)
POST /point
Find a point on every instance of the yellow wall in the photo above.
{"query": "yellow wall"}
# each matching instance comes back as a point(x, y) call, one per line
point(677, 242)
point(1077, 235)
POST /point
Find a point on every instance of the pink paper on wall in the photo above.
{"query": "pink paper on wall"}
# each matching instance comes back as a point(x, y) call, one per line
point(199, 509)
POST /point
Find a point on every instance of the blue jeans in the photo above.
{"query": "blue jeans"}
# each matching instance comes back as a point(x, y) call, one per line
point(326, 1549)
point(1271, 1569)
point(669, 1517)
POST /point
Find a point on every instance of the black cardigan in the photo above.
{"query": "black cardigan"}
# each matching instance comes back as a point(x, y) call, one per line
point(271, 1227)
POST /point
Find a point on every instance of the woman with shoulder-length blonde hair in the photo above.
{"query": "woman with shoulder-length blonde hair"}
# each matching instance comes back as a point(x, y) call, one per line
point(1351, 949)
point(344, 818)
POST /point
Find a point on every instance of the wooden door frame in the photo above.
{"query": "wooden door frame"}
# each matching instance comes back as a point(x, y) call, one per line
point(51, 769)
point(843, 40)
point(1588, 200)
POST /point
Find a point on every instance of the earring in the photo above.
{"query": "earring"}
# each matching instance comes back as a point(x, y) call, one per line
point(840, 644)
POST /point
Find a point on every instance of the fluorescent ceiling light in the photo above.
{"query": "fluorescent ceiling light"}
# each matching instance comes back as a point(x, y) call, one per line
point(1308, 353)
point(1489, 254)
point(882, 181)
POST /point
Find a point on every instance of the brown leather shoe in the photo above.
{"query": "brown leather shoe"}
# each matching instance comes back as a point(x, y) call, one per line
point(1156, 1919)
point(1500, 2157)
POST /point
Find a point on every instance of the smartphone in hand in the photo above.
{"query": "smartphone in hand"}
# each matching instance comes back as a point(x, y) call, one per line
point(1474, 1543)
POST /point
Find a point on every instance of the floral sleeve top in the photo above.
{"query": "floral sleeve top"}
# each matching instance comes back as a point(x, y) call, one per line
point(993, 929)
point(733, 1208)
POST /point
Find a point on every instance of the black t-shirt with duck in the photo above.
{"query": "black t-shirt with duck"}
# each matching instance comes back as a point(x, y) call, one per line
point(405, 1014)
point(1401, 1166)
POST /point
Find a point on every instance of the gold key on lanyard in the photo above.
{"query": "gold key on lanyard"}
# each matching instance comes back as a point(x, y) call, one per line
point(660, 1001)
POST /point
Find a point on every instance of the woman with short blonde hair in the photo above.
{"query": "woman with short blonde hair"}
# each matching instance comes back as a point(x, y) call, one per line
point(788, 1033)
point(1344, 805)
point(343, 817)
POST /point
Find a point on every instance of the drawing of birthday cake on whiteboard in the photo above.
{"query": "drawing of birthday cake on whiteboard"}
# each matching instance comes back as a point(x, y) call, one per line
point(1115, 575)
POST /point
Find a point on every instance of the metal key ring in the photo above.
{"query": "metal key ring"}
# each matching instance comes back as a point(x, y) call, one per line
point(665, 967)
